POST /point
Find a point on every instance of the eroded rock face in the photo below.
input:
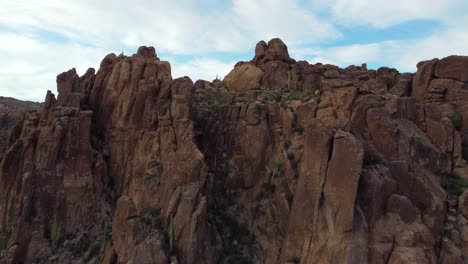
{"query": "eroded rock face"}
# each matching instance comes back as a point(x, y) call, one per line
point(281, 162)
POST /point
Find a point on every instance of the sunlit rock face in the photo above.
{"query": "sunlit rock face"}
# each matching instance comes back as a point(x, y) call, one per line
point(280, 162)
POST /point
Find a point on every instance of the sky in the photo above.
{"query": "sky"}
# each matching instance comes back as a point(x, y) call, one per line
point(203, 39)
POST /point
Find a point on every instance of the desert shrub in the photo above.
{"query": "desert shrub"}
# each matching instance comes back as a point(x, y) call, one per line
point(454, 184)
point(457, 120)
point(171, 234)
point(216, 99)
point(298, 129)
point(236, 238)
point(286, 144)
point(4, 237)
point(55, 231)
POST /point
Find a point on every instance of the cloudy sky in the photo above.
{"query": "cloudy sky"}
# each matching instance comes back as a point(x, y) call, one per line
point(205, 38)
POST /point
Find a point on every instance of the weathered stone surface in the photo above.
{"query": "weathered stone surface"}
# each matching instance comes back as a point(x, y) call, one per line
point(422, 78)
point(281, 162)
point(453, 67)
point(305, 208)
point(243, 77)
point(276, 75)
point(335, 107)
point(342, 181)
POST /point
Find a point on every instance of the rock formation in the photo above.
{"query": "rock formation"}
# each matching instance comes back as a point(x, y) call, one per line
point(280, 162)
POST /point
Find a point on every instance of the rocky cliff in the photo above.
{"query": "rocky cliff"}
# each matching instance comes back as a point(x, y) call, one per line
point(280, 162)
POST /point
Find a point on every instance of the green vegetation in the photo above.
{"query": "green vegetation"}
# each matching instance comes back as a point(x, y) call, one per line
point(92, 250)
point(295, 94)
point(454, 184)
point(290, 198)
point(99, 244)
point(171, 234)
point(256, 88)
point(298, 129)
point(237, 259)
point(286, 144)
point(457, 120)
point(55, 232)
point(212, 85)
point(106, 236)
point(267, 190)
point(277, 165)
point(236, 238)
point(295, 260)
point(421, 206)
point(4, 238)
point(299, 93)
point(216, 99)
point(415, 139)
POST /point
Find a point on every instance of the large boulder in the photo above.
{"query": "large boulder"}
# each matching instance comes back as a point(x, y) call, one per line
point(453, 67)
point(243, 77)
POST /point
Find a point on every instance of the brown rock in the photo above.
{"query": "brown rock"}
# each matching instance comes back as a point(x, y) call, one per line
point(277, 50)
point(422, 79)
point(147, 52)
point(276, 75)
point(450, 253)
point(264, 176)
point(453, 67)
point(335, 107)
point(463, 204)
point(346, 159)
point(305, 112)
point(402, 88)
point(243, 78)
point(310, 187)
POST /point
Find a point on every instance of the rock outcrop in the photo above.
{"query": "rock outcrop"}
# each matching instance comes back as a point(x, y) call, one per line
point(280, 162)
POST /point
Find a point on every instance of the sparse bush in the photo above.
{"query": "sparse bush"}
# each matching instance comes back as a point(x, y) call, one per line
point(457, 120)
point(277, 98)
point(290, 198)
point(56, 231)
point(4, 238)
point(421, 206)
point(318, 99)
point(295, 94)
point(171, 234)
point(236, 238)
point(286, 144)
point(453, 184)
point(267, 190)
point(298, 129)
point(216, 99)
point(277, 165)
point(100, 243)
point(237, 259)
point(295, 260)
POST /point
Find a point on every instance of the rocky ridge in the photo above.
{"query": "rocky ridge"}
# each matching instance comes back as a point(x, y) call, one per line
point(280, 162)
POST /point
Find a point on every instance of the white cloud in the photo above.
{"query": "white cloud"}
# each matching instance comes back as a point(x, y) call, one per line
point(56, 35)
point(176, 26)
point(29, 68)
point(287, 20)
point(385, 13)
point(401, 54)
point(205, 69)
point(32, 69)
